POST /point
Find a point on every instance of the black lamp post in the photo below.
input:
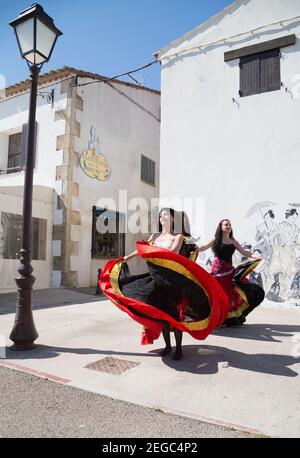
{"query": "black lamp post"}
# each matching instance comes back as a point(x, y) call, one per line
point(36, 35)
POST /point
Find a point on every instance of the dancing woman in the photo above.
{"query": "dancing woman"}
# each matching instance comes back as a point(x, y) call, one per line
point(174, 294)
point(243, 296)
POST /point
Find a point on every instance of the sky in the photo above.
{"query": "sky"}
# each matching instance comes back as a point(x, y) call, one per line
point(108, 37)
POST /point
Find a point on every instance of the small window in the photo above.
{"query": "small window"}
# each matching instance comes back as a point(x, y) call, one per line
point(17, 150)
point(14, 153)
point(147, 170)
point(108, 234)
point(260, 73)
point(11, 237)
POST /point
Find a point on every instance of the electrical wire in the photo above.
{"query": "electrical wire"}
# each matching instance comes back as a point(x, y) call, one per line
point(104, 79)
point(222, 40)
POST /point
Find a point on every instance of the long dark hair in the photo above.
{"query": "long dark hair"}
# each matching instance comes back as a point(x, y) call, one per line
point(218, 237)
point(180, 222)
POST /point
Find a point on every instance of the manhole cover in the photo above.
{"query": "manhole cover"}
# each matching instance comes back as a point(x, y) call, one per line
point(112, 365)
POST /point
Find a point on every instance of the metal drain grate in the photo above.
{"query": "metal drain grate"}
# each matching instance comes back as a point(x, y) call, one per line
point(112, 365)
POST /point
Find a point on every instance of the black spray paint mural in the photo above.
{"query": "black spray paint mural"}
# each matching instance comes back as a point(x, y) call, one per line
point(276, 238)
point(277, 241)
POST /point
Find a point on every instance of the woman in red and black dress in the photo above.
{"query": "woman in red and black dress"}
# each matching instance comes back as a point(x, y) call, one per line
point(243, 296)
point(175, 294)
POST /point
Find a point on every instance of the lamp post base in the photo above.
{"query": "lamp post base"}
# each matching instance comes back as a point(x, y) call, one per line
point(24, 332)
point(23, 345)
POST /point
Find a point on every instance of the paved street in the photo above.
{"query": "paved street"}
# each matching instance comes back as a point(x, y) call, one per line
point(244, 379)
point(34, 407)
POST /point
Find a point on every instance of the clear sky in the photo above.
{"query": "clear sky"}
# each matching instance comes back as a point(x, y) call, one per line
point(109, 37)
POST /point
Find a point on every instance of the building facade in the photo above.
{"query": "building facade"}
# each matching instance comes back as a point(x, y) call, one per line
point(230, 101)
point(97, 151)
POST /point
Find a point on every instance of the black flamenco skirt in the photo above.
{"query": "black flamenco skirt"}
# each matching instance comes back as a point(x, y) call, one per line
point(251, 293)
point(244, 296)
point(175, 290)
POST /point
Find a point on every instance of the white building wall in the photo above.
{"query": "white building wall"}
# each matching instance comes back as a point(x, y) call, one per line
point(128, 125)
point(231, 153)
point(11, 201)
point(13, 114)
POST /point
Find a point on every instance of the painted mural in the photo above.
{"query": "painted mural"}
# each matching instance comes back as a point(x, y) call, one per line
point(276, 238)
point(93, 163)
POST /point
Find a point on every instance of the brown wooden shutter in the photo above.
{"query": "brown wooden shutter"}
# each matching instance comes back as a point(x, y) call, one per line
point(249, 75)
point(24, 145)
point(270, 70)
point(147, 170)
point(14, 152)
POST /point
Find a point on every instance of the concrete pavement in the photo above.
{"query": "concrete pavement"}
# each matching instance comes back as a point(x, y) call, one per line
point(245, 378)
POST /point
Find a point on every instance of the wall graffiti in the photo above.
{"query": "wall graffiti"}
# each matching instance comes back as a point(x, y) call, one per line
point(276, 238)
point(277, 241)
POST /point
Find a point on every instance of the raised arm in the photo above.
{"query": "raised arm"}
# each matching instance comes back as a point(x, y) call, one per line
point(246, 253)
point(177, 243)
point(205, 247)
point(135, 253)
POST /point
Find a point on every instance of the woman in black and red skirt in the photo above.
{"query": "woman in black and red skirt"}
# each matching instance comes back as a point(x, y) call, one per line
point(243, 295)
point(175, 294)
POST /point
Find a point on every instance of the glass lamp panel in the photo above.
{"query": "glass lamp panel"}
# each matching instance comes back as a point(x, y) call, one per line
point(24, 31)
point(45, 38)
point(35, 58)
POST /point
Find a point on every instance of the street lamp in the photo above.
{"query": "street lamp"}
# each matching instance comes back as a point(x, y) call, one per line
point(36, 35)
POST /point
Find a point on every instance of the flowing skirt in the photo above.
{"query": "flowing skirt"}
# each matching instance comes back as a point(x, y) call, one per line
point(243, 295)
point(175, 290)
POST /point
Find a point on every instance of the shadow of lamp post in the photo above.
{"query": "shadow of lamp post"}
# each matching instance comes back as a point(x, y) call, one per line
point(36, 35)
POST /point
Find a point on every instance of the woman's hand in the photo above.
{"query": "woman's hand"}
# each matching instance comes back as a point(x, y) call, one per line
point(258, 258)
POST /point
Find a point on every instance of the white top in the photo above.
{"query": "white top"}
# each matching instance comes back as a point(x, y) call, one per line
point(164, 243)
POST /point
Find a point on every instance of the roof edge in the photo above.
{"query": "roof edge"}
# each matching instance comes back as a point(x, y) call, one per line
point(63, 73)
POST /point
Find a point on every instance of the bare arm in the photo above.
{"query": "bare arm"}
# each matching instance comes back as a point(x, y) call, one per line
point(246, 253)
point(135, 253)
point(177, 243)
point(205, 247)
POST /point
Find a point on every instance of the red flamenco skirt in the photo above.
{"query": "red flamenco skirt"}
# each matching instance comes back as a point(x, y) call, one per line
point(243, 296)
point(175, 290)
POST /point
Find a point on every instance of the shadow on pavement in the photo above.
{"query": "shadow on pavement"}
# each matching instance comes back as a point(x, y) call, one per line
point(43, 299)
point(205, 359)
point(198, 359)
point(265, 332)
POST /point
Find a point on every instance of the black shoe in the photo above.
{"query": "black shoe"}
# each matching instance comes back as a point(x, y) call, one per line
point(242, 319)
point(165, 351)
point(177, 355)
point(230, 322)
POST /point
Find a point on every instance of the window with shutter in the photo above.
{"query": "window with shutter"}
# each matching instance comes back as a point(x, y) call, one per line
point(260, 73)
point(17, 150)
point(147, 170)
point(14, 153)
point(11, 229)
point(108, 234)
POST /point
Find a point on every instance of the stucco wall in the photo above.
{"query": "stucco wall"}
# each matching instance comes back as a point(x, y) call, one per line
point(14, 113)
point(127, 123)
point(232, 154)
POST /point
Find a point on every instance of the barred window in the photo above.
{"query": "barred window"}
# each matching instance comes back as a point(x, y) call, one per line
point(108, 234)
point(147, 170)
point(11, 237)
